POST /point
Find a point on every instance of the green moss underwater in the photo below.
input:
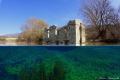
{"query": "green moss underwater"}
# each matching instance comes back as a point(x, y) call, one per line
point(59, 62)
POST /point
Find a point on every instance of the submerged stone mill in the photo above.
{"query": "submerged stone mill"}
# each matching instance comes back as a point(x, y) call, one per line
point(72, 34)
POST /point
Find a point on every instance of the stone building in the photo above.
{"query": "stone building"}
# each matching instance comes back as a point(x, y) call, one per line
point(72, 34)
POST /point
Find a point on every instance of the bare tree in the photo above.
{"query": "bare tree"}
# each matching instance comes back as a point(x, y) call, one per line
point(32, 30)
point(100, 14)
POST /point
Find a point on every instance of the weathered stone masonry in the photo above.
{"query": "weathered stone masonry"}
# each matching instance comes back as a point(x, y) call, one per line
point(72, 34)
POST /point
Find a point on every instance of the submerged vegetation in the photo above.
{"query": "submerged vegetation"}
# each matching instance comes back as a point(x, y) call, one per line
point(41, 73)
point(80, 63)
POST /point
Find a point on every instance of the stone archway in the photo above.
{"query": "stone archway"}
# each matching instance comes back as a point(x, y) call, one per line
point(66, 42)
point(57, 42)
point(47, 42)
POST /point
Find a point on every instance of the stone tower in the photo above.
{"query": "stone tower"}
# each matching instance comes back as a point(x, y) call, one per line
point(53, 33)
point(46, 35)
point(76, 32)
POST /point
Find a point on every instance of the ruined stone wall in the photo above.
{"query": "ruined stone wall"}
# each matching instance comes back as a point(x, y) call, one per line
point(46, 35)
point(62, 34)
point(73, 33)
point(52, 33)
point(83, 34)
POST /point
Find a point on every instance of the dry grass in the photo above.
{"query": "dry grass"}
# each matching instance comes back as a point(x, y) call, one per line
point(11, 39)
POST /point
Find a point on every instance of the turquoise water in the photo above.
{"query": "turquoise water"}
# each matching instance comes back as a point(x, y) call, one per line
point(60, 62)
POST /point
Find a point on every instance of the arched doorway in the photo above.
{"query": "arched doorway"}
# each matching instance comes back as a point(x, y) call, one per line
point(66, 42)
point(47, 42)
point(57, 42)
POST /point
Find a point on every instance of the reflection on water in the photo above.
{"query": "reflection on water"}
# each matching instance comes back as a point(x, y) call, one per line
point(100, 43)
point(32, 43)
point(16, 43)
point(12, 41)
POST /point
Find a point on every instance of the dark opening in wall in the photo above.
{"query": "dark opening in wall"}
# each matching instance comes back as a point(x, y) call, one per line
point(57, 42)
point(66, 42)
point(58, 32)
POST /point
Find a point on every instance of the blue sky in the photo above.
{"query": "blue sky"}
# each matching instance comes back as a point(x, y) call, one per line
point(13, 13)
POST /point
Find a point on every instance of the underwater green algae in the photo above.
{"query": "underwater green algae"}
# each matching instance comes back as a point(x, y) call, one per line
point(41, 73)
point(78, 63)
